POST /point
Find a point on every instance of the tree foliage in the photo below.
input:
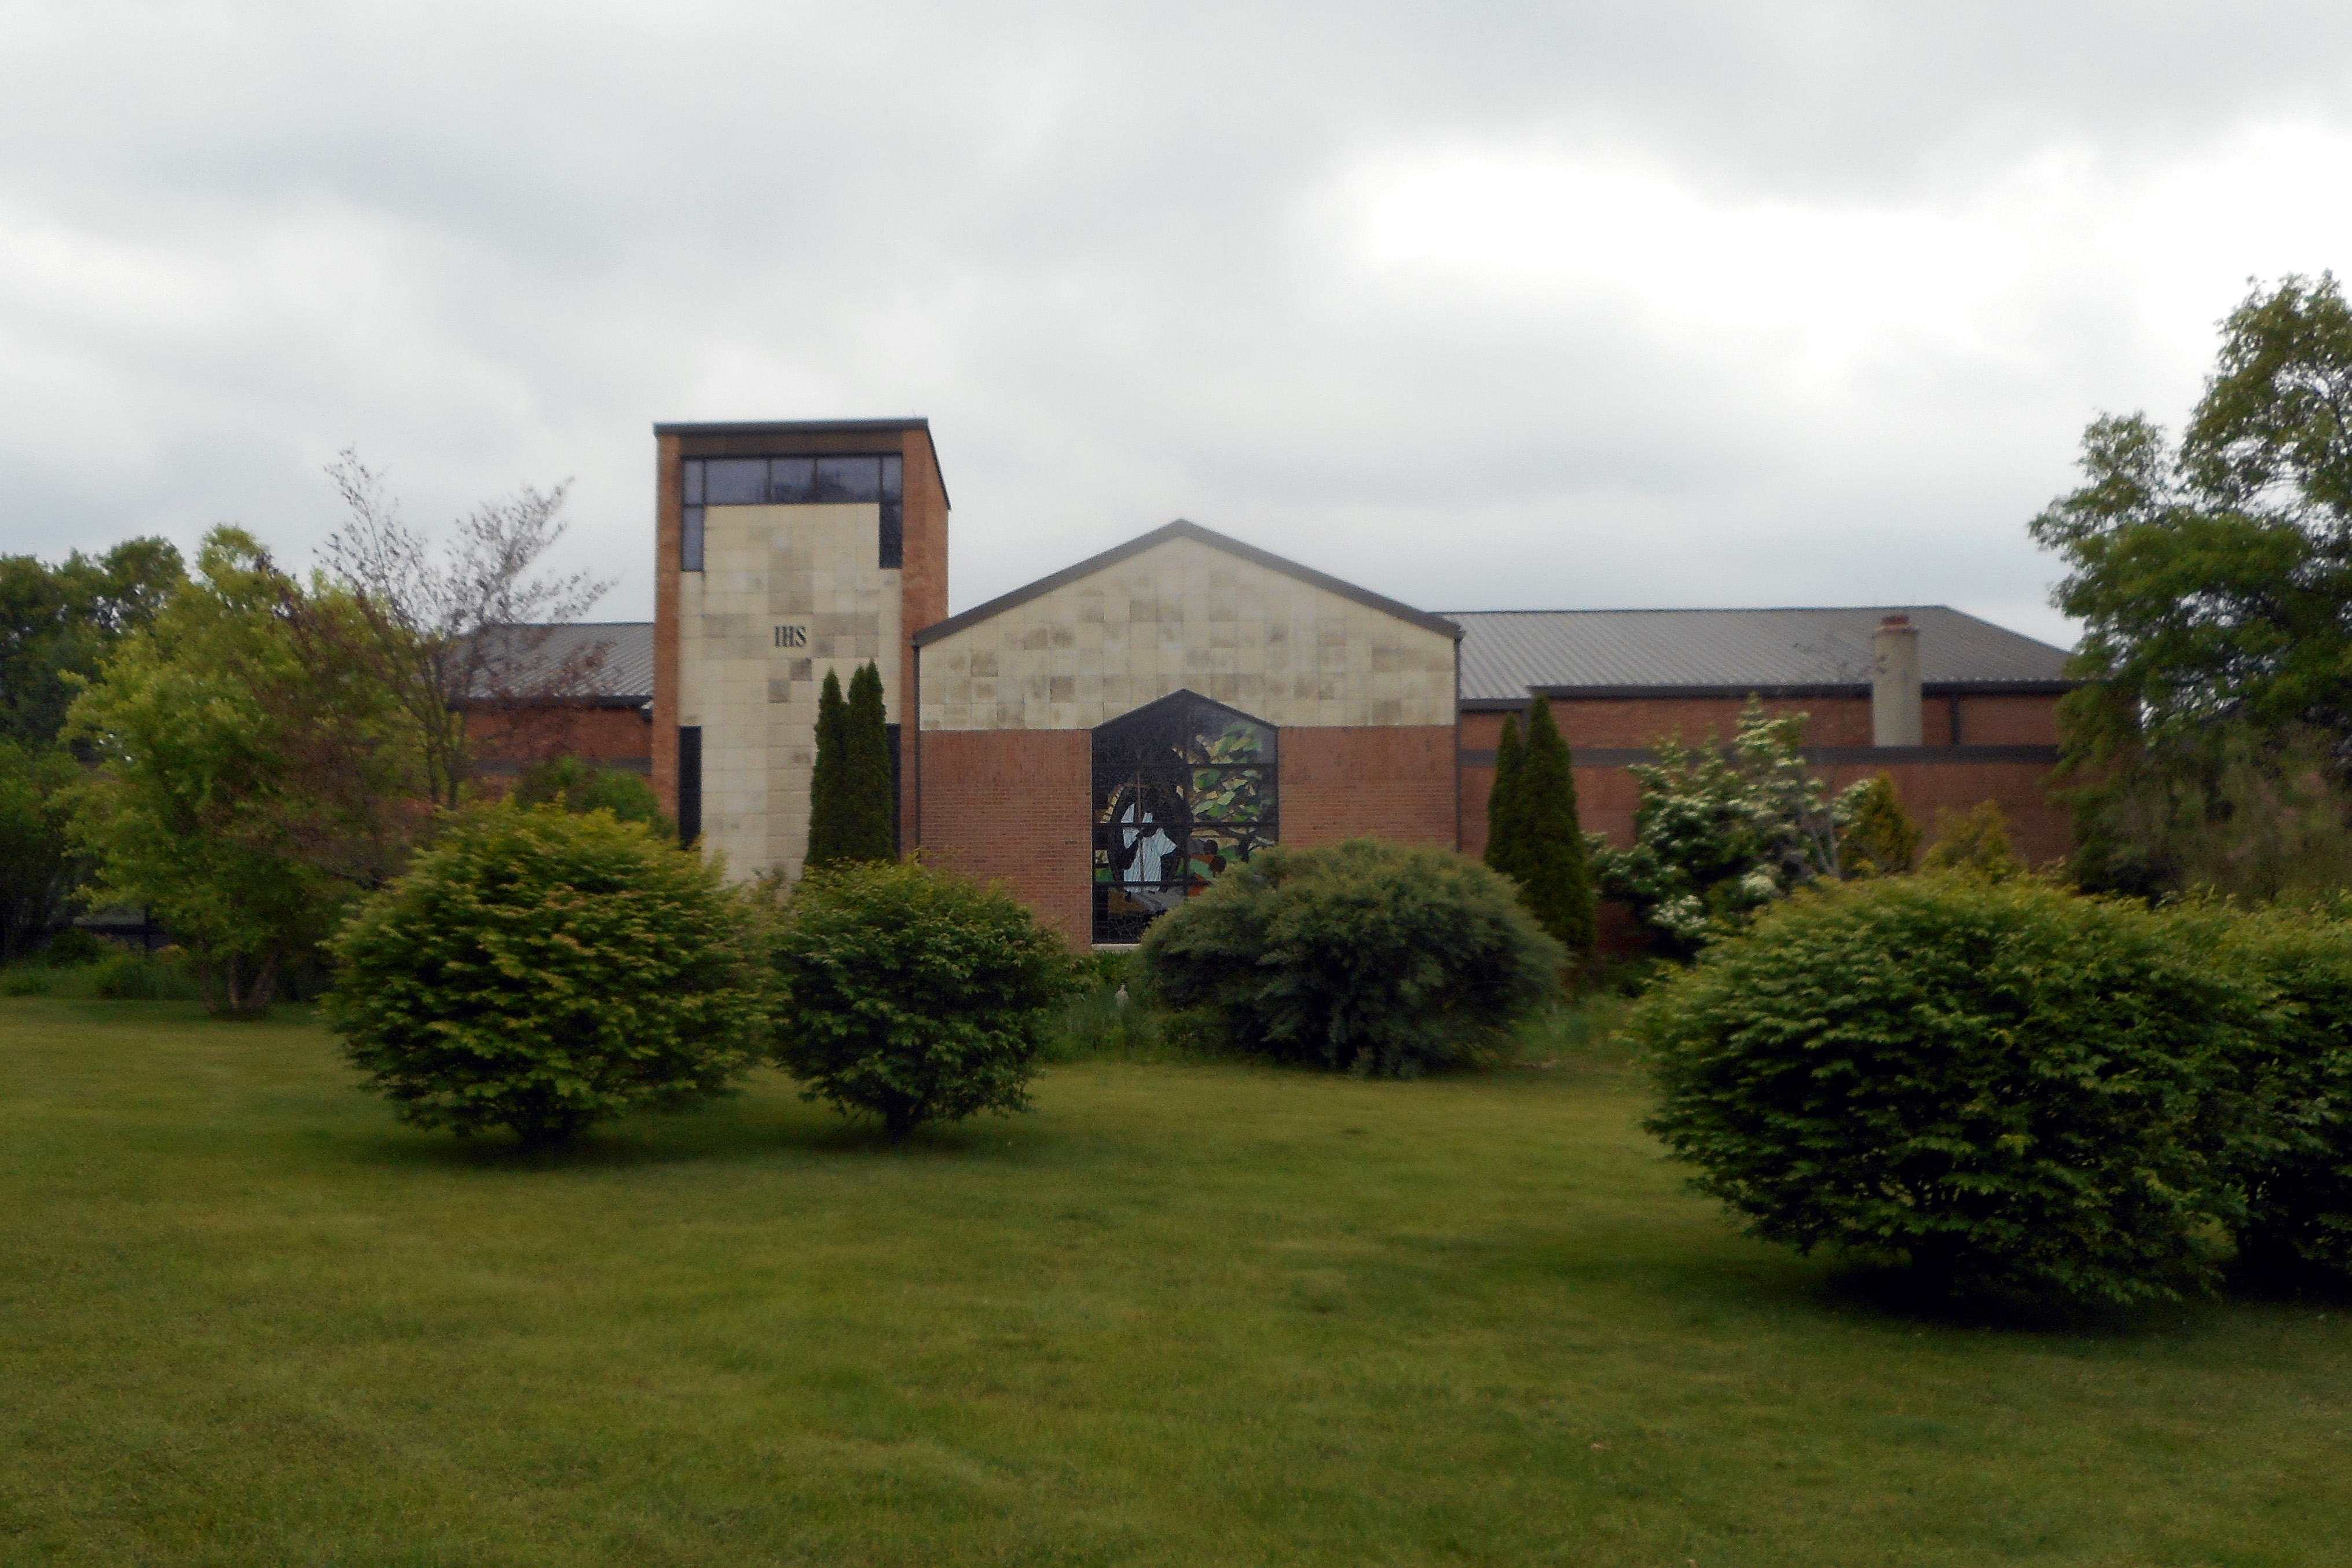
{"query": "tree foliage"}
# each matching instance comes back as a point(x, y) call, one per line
point(2297, 1080)
point(57, 624)
point(1533, 834)
point(914, 996)
point(253, 774)
point(1504, 828)
point(829, 811)
point(466, 629)
point(1722, 833)
point(579, 785)
point(1975, 843)
point(540, 970)
point(2010, 1085)
point(873, 807)
point(2213, 581)
point(37, 868)
point(852, 812)
point(1373, 958)
point(1878, 838)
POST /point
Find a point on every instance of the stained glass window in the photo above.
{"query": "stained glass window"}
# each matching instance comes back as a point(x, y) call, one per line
point(1183, 788)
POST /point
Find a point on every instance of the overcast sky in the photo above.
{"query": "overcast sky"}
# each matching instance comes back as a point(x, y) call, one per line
point(1481, 306)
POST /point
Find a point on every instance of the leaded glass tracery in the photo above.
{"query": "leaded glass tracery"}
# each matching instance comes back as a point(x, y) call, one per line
point(1183, 788)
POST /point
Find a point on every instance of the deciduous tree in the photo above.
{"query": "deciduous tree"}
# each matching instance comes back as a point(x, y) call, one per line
point(468, 626)
point(253, 772)
point(2214, 579)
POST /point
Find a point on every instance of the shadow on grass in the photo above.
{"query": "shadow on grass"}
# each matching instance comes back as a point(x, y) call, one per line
point(1895, 1293)
point(719, 1135)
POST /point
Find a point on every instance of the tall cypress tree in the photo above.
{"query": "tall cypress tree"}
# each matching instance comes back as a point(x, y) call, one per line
point(1503, 800)
point(872, 806)
point(829, 830)
point(1555, 874)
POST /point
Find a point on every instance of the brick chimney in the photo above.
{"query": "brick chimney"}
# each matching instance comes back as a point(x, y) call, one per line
point(1894, 711)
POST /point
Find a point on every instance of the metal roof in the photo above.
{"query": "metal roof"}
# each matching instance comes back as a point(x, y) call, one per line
point(1183, 529)
point(623, 675)
point(1508, 654)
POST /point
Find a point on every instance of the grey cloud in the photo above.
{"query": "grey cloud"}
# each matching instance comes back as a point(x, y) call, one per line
point(492, 245)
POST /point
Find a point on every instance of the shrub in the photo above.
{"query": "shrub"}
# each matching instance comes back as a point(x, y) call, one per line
point(74, 947)
point(913, 995)
point(118, 974)
point(2006, 1082)
point(1974, 843)
point(2297, 1176)
point(1381, 959)
point(540, 970)
point(582, 786)
point(1879, 839)
point(127, 974)
point(1721, 832)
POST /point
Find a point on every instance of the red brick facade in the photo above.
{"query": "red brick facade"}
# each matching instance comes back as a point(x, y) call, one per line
point(505, 738)
point(1607, 795)
point(1367, 783)
point(1016, 806)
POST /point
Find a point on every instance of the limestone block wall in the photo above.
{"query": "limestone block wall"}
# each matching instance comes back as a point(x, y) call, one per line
point(1186, 615)
point(786, 593)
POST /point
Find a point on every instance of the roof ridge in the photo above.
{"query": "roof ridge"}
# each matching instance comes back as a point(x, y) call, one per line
point(1716, 610)
point(1185, 528)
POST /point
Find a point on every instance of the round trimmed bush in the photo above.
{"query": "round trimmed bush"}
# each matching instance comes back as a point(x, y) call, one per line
point(1381, 959)
point(914, 996)
point(540, 970)
point(2007, 1083)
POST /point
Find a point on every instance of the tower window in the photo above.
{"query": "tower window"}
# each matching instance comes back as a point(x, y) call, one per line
point(872, 481)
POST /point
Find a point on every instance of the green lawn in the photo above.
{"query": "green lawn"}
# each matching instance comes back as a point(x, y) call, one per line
point(1182, 1314)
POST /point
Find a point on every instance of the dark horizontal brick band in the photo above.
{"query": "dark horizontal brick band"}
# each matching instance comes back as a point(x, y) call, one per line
point(1825, 756)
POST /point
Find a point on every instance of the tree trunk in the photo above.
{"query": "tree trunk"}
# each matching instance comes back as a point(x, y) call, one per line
point(898, 1121)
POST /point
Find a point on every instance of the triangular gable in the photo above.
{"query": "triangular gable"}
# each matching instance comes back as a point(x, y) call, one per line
point(1180, 528)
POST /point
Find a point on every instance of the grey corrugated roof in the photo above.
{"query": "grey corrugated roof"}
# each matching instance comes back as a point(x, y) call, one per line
point(623, 674)
point(1505, 654)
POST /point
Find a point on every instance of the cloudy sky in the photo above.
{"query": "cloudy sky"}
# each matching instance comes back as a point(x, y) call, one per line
point(1481, 306)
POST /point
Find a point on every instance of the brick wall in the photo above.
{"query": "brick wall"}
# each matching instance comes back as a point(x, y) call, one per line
point(922, 594)
point(1635, 722)
point(1607, 797)
point(1016, 805)
point(668, 522)
point(1396, 782)
point(529, 734)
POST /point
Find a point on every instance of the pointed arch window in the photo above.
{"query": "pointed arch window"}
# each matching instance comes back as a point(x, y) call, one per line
point(1183, 788)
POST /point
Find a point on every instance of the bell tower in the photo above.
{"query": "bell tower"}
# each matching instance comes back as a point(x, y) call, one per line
point(782, 552)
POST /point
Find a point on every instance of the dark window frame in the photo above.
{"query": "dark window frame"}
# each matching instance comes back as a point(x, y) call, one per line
point(801, 479)
point(690, 784)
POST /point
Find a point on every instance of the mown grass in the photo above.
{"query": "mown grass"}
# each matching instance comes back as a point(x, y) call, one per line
point(1184, 1314)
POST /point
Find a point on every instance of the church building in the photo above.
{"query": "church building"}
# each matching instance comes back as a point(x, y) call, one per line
point(1107, 740)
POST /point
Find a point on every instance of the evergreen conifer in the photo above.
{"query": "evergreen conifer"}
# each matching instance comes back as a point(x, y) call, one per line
point(1503, 800)
point(1548, 855)
point(1880, 838)
point(872, 804)
point(829, 830)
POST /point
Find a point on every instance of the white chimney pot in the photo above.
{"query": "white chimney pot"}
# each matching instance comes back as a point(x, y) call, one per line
point(1896, 719)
